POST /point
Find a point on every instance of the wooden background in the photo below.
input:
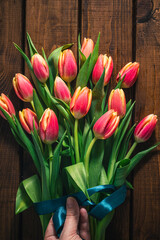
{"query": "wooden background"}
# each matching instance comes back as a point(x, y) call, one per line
point(130, 30)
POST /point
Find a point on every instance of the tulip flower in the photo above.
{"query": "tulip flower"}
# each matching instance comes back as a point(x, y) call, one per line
point(102, 62)
point(7, 105)
point(61, 90)
point(23, 88)
point(26, 118)
point(117, 102)
point(40, 67)
point(130, 71)
point(48, 127)
point(87, 47)
point(144, 129)
point(81, 102)
point(67, 66)
point(106, 125)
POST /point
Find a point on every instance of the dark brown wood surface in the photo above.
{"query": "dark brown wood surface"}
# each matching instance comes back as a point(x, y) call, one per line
point(130, 30)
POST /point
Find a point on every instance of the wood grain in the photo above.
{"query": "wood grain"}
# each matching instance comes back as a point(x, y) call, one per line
point(146, 198)
point(113, 19)
point(10, 63)
point(50, 24)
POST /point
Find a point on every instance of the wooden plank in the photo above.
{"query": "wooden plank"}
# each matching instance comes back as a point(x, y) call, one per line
point(114, 20)
point(10, 63)
point(50, 24)
point(146, 198)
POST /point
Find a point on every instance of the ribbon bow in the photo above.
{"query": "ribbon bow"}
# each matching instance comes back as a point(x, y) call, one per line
point(98, 211)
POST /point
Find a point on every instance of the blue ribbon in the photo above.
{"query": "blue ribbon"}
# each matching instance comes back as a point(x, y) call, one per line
point(98, 211)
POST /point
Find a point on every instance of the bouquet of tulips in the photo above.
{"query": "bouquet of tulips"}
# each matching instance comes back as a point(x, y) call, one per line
point(78, 140)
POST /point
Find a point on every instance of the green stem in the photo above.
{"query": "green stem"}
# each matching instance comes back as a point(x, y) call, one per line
point(87, 156)
point(32, 103)
point(76, 141)
point(50, 160)
point(131, 150)
point(69, 86)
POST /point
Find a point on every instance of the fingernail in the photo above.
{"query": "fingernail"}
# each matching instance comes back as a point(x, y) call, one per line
point(70, 202)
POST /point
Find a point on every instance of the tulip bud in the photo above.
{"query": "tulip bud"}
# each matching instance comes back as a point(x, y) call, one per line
point(7, 105)
point(67, 66)
point(117, 102)
point(87, 47)
point(81, 102)
point(40, 67)
point(48, 127)
point(145, 127)
point(106, 125)
point(61, 90)
point(102, 62)
point(26, 118)
point(130, 71)
point(23, 88)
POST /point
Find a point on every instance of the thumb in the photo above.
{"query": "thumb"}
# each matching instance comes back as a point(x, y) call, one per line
point(72, 218)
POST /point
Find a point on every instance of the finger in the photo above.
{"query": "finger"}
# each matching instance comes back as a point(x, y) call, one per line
point(50, 233)
point(84, 225)
point(72, 218)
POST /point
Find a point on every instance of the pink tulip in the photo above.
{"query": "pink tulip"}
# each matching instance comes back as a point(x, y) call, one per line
point(117, 102)
point(40, 67)
point(106, 125)
point(67, 66)
point(144, 129)
point(26, 118)
point(87, 47)
point(7, 105)
point(23, 88)
point(81, 102)
point(61, 90)
point(130, 71)
point(48, 127)
point(102, 62)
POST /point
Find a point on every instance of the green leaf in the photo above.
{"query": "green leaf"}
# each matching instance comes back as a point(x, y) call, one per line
point(32, 48)
point(125, 143)
point(82, 58)
point(18, 139)
point(136, 159)
point(81, 78)
point(37, 105)
point(79, 48)
point(118, 137)
point(121, 172)
point(77, 177)
point(104, 108)
point(32, 187)
point(95, 164)
point(129, 185)
point(94, 57)
point(70, 141)
point(87, 136)
point(54, 57)
point(24, 56)
point(22, 200)
point(37, 137)
point(28, 144)
point(50, 81)
point(44, 170)
point(9, 119)
point(56, 166)
point(103, 177)
point(97, 98)
point(67, 115)
point(120, 82)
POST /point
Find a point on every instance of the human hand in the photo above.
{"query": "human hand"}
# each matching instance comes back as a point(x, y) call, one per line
point(76, 226)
